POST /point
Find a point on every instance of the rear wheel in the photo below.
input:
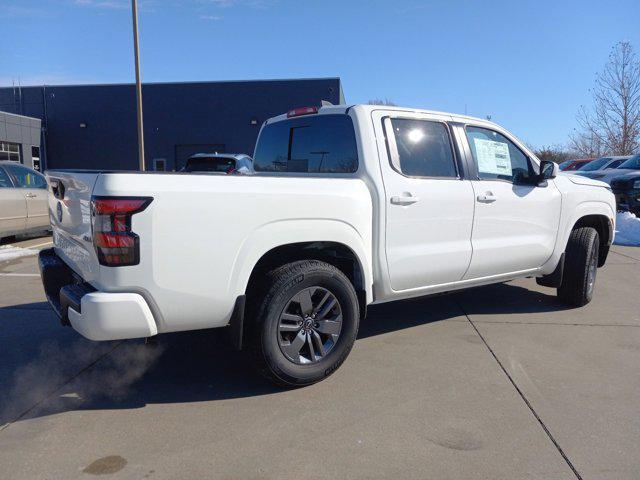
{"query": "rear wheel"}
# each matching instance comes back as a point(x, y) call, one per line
point(306, 323)
point(581, 266)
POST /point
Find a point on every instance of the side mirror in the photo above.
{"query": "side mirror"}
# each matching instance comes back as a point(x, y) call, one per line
point(548, 170)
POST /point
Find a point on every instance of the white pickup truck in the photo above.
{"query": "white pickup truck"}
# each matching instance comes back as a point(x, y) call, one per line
point(349, 206)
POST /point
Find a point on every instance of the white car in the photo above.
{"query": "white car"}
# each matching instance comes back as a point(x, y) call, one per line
point(24, 206)
point(227, 163)
point(349, 206)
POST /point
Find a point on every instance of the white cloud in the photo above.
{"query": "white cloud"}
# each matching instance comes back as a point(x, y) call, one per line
point(210, 18)
point(104, 4)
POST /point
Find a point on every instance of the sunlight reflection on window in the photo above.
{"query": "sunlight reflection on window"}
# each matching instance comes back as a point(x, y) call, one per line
point(415, 135)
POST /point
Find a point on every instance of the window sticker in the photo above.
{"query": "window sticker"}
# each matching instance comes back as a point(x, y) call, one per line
point(493, 157)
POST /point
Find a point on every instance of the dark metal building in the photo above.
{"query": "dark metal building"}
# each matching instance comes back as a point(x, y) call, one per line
point(94, 126)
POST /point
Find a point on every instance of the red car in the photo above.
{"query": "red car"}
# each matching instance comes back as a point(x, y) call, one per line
point(574, 164)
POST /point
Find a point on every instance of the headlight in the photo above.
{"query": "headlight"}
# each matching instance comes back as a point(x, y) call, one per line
point(636, 184)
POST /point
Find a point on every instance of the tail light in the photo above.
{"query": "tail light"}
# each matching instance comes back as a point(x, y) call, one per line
point(116, 245)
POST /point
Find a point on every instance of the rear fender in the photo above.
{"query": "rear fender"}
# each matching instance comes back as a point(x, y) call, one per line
point(286, 232)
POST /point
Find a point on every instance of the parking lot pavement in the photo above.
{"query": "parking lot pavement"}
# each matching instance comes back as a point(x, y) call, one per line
point(495, 382)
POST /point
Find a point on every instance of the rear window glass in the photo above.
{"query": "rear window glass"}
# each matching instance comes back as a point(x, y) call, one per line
point(203, 164)
point(308, 144)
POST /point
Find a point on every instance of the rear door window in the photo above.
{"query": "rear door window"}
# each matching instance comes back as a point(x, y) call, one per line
point(423, 148)
point(308, 144)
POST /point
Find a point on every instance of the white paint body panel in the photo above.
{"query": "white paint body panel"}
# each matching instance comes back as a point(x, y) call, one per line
point(113, 316)
point(202, 235)
point(515, 232)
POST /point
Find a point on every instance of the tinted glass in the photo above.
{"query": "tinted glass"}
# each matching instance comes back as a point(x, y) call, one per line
point(5, 181)
point(594, 165)
point(497, 157)
point(308, 144)
point(565, 164)
point(26, 178)
point(633, 163)
point(203, 164)
point(424, 148)
point(614, 164)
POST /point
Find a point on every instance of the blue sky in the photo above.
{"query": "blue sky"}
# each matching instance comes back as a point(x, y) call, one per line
point(528, 64)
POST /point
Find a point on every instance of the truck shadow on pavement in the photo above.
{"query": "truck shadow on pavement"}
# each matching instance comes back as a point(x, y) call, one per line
point(63, 372)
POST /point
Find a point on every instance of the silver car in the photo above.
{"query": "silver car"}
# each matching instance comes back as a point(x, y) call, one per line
point(600, 167)
point(23, 200)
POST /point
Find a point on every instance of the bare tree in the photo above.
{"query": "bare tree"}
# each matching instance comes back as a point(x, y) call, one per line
point(612, 125)
point(587, 145)
point(555, 153)
point(379, 101)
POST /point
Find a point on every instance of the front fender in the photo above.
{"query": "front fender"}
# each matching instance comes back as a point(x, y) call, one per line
point(285, 232)
point(569, 218)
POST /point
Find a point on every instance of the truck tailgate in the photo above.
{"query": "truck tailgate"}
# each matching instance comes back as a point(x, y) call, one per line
point(70, 207)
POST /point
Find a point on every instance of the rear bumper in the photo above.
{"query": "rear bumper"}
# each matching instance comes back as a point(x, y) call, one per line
point(95, 315)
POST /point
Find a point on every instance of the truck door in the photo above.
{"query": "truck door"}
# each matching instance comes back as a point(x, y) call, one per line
point(516, 220)
point(429, 206)
point(13, 207)
point(33, 187)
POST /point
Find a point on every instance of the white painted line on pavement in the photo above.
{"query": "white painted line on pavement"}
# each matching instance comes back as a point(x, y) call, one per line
point(19, 274)
point(40, 245)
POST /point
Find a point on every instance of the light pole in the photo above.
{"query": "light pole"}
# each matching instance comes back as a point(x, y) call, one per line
point(136, 53)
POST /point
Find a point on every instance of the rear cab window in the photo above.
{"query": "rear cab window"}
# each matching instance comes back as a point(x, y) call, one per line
point(308, 144)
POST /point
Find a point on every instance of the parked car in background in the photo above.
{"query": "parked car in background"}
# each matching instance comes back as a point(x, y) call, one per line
point(626, 188)
point(574, 164)
point(229, 163)
point(24, 207)
point(597, 167)
point(349, 206)
point(630, 165)
point(600, 167)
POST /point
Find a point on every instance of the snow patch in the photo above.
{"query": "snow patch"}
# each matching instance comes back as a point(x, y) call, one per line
point(9, 252)
point(627, 229)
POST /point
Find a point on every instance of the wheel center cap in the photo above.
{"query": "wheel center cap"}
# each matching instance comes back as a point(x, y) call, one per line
point(308, 324)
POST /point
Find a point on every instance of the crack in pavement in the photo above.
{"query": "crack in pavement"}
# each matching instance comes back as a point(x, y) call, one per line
point(522, 395)
point(61, 386)
point(561, 324)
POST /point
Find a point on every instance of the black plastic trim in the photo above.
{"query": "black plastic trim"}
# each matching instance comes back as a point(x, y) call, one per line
point(236, 324)
point(554, 279)
point(62, 286)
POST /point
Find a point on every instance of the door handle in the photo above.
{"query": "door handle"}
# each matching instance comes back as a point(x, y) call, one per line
point(488, 197)
point(404, 200)
point(31, 195)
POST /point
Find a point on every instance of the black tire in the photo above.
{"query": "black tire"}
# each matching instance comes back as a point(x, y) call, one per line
point(580, 267)
point(266, 335)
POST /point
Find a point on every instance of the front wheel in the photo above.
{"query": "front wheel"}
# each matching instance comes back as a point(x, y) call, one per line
point(306, 323)
point(580, 267)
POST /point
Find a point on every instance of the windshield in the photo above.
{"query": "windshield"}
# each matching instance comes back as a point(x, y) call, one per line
point(595, 165)
point(565, 164)
point(633, 163)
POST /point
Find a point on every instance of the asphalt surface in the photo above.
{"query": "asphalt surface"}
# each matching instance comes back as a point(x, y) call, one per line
point(499, 382)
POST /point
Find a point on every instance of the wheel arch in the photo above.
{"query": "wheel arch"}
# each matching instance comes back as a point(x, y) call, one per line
point(603, 225)
point(332, 241)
